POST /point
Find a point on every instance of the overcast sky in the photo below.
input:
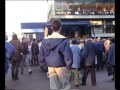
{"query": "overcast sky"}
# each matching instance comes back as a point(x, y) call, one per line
point(24, 11)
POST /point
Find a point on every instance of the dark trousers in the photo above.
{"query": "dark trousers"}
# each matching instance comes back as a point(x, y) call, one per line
point(100, 61)
point(34, 60)
point(15, 69)
point(88, 69)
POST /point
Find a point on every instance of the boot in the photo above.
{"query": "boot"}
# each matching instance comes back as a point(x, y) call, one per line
point(83, 81)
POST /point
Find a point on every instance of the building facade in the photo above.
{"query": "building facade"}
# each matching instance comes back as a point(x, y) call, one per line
point(101, 13)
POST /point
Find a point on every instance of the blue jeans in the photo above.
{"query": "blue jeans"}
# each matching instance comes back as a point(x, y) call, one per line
point(23, 63)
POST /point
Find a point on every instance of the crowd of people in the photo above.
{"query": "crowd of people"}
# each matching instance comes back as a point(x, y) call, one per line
point(21, 54)
point(61, 58)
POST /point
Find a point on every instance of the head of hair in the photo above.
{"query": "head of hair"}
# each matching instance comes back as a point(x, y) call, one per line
point(14, 37)
point(87, 36)
point(34, 39)
point(74, 41)
point(99, 38)
point(113, 40)
point(23, 39)
point(56, 24)
point(81, 41)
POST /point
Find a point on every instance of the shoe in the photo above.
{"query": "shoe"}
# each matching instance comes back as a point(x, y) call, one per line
point(94, 84)
point(113, 79)
point(47, 74)
point(77, 85)
point(16, 78)
point(83, 84)
point(98, 69)
point(30, 72)
point(13, 78)
point(80, 76)
point(21, 72)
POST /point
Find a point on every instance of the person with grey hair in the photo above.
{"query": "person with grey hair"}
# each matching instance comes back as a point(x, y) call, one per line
point(77, 54)
point(56, 53)
point(89, 53)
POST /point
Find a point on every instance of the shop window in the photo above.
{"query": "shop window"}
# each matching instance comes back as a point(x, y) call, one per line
point(98, 29)
point(110, 29)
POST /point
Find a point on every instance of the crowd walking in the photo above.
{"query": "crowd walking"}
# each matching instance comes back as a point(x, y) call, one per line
point(61, 58)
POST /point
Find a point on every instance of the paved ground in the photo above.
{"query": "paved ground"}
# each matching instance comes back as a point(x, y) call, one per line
point(39, 81)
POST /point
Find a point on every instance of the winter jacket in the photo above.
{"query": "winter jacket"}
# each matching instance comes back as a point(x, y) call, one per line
point(18, 50)
point(35, 48)
point(111, 54)
point(25, 48)
point(76, 56)
point(55, 51)
point(89, 53)
point(9, 52)
point(100, 47)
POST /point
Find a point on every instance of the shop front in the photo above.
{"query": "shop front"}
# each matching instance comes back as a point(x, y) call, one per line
point(33, 30)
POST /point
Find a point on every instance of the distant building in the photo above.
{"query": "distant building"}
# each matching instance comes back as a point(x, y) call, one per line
point(101, 13)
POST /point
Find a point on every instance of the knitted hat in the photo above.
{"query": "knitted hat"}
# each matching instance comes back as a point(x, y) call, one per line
point(74, 41)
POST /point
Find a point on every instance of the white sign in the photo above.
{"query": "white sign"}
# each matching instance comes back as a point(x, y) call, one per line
point(104, 35)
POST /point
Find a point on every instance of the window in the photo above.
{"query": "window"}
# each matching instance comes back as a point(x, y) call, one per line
point(75, 30)
point(110, 29)
point(94, 7)
point(98, 29)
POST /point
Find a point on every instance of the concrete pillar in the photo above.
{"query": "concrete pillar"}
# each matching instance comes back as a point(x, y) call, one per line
point(104, 26)
point(46, 32)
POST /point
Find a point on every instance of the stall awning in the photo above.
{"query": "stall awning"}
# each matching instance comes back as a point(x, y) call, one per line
point(74, 23)
point(32, 25)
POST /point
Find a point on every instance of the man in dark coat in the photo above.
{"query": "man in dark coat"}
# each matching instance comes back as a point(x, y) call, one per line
point(35, 52)
point(16, 59)
point(89, 61)
point(111, 55)
point(100, 51)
